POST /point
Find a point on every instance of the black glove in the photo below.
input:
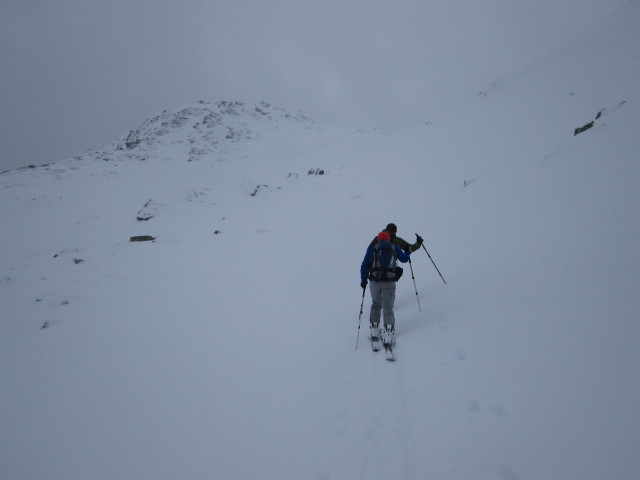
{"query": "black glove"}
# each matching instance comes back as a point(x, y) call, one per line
point(419, 240)
point(363, 285)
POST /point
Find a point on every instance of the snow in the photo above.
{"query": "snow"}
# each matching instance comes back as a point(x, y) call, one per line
point(226, 347)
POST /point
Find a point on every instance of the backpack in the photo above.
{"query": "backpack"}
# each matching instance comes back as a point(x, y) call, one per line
point(383, 262)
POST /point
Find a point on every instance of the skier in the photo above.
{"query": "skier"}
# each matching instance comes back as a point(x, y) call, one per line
point(402, 243)
point(379, 266)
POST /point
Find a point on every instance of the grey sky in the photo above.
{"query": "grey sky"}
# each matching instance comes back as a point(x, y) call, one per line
point(77, 74)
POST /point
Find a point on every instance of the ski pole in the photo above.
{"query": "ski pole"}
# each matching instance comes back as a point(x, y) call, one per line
point(434, 263)
point(414, 286)
point(364, 289)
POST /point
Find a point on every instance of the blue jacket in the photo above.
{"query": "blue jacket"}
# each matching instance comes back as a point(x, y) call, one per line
point(366, 263)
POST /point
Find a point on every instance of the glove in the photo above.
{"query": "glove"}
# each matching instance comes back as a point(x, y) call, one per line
point(419, 240)
point(363, 285)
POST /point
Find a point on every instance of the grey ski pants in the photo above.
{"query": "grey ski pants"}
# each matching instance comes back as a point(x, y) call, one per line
point(383, 297)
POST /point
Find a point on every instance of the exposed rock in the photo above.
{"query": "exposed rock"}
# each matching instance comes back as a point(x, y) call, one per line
point(142, 238)
point(583, 128)
point(206, 124)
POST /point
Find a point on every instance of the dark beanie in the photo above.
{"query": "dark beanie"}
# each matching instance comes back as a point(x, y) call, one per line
point(391, 228)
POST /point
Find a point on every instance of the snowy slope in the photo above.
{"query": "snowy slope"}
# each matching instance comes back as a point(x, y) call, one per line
point(225, 348)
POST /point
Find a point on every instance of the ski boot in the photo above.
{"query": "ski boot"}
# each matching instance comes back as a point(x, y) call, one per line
point(375, 331)
point(388, 336)
point(375, 336)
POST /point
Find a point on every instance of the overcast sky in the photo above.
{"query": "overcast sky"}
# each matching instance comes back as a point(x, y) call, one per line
point(77, 74)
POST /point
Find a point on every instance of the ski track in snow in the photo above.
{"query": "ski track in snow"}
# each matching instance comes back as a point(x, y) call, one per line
point(386, 436)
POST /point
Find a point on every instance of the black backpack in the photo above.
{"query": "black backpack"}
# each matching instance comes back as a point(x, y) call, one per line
point(384, 262)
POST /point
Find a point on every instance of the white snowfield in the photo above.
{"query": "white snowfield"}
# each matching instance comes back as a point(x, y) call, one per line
point(225, 348)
